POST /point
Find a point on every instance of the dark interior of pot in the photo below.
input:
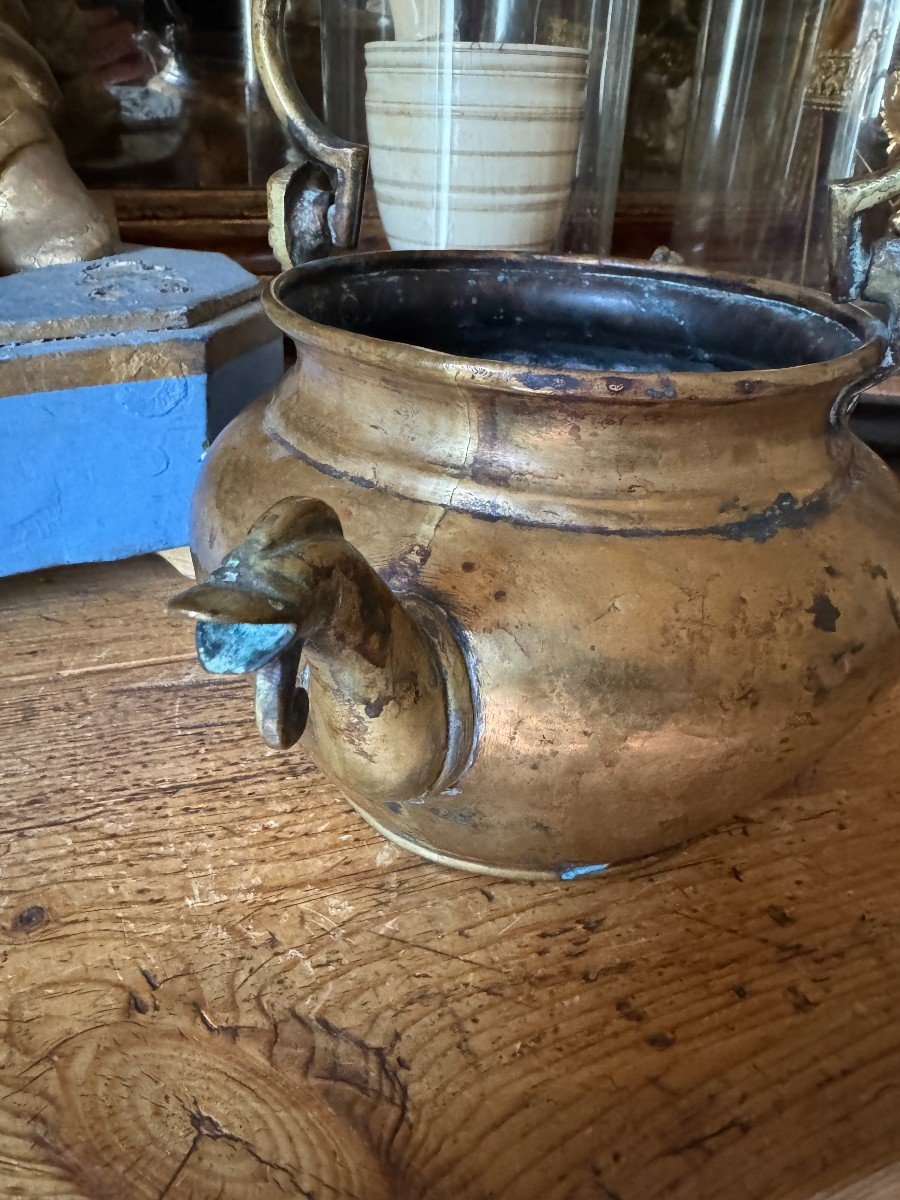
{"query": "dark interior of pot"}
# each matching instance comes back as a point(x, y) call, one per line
point(570, 314)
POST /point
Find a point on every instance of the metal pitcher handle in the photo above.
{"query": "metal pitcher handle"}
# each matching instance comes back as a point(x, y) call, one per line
point(856, 271)
point(314, 205)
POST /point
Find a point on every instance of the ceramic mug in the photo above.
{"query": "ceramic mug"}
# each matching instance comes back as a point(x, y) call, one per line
point(475, 146)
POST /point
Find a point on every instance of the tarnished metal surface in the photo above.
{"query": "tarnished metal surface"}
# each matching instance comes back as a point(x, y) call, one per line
point(673, 586)
point(307, 214)
point(392, 703)
point(850, 259)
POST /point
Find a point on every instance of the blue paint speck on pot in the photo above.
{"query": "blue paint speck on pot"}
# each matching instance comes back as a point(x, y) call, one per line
point(581, 872)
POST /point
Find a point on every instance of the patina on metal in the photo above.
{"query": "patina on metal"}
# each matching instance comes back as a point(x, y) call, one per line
point(626, 570)
point(857, 270)
point(390, 678)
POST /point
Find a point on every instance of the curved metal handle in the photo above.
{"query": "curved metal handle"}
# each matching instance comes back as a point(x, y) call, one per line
point(272, 653)
point(857, 272)
point(392, 710)
point(317, 204)
point(256, 610)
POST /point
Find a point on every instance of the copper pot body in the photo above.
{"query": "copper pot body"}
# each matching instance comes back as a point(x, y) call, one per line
point(672, 588)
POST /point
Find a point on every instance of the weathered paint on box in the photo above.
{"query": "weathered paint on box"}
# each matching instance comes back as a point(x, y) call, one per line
point(102, 434)
point(145, 289)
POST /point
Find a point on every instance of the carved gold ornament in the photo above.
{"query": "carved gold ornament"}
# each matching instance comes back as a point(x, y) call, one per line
point(830, 86)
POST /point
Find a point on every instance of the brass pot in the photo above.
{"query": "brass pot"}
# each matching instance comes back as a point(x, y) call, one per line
point(594, 563)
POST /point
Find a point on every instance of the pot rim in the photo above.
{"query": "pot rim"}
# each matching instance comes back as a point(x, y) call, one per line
point(527, 380)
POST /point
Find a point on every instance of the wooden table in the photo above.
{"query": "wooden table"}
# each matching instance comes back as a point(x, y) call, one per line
point(217, 983)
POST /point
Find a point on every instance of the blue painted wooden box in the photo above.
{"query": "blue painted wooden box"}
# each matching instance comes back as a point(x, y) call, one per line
point(114, 378)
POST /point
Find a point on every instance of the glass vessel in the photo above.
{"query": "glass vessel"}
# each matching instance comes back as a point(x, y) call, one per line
point(493, 124)
point(754, 63)
point(661, 87)
point(196, 116)
point(789, 95)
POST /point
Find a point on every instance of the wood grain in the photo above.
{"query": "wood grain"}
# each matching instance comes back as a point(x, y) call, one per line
point(217, 983)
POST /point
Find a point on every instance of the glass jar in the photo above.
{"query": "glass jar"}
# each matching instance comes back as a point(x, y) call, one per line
point(789, 96)
point(197, 116)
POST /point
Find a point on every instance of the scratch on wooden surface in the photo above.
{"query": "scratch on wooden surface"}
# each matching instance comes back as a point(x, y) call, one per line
point(204, 894)
point(78, 673)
